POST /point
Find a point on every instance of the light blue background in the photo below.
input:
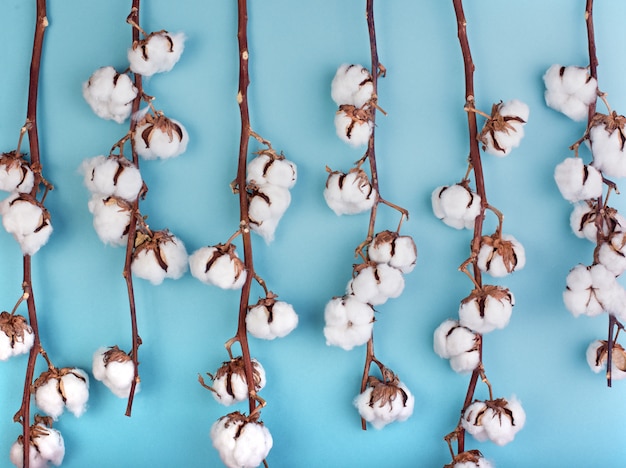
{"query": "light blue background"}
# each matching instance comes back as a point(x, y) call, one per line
point(295, 47)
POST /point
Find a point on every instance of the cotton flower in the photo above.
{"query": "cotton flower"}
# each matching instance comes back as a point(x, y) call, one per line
point(271, 168)
point(111, 218)
point(110, 94)
point(266, 205)
point(385, 401)
point(112, 176)
point(269, 318)
point(612, 253)
point(240, 441)
point(57, 389)
point(592, 290)
point(16, 336)
point(46, 446)
point(159, 137)
point(583, 220)
point(607, 139)
point(15, 173)
point(375, 283)
point(577, 181)
point(504, 129)
point(218, 265)
point(229, 382)
point(597, 358)
point(470, 459)
point(459, 344)
point(27, 220)
point(495, 420)
point(115, 369)
point(354, 125)
point(486, 309)
point(159, 255)
point(390, 247)
point(157, 53)
point(349, 322)
point(500, 254)
point(456, 205)
point(352, 84)
point(349, 193)
point(570, 90)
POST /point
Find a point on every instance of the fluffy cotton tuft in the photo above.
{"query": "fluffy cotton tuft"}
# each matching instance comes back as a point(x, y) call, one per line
point(583, 221)
point(15, 173)
point(159, 137)
point(504, 130)
point(270, 168)
point(47, 446)
point(592, 290)
point(112, 176)
point(487, 309)
point(578, 181)
point(570, 90)
point(27, 220)
point(375, 283)
point(219, 266)
point(115, 369)
point(500, 254)
point(270, 319)
point(597, 358)
point(456, 205)
point(495, 420)
point(606, 137)
point(398, 251)
point(241, 443)
point(16, 336)
point(266, 205)
point(352, 84)
point(162, 256)
point(349, 322)
point(62, 388)
point(230, 385)
point(352, 127)
point(349, 193)
point(157, 53)
point(382, 403)
point(111, 218)
point(457, 343)
point(110, 94)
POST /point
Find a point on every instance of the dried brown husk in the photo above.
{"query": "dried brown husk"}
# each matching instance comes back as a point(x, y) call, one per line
point(498, 123)
point(501, 247)
point(14, 326)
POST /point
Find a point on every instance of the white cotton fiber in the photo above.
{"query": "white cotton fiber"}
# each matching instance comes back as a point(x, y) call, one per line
point(354, 131)
point(69, 390)
point(172, 253)
point(352, 84)
point(379, 413)
point(440, 337)
point(472, 420)
point(376, 283)
point(570, 90)
point(16, 336)
point(266, 169)
point(458, 344)
point(110, 94)
point(501, 425)
point(50, 445)
point(607, 147)
point(212, 265)
point(501, 255)
point(117, 375)
point(349, 193)
point(592, 290)
point(15, 174)
point(157, 53)
point(577, 181)
point(111, 218)
point(160, 138)
point(266, 205)
point(505, 130)
point(76, 390)
point(271, 321)
point(35, 460)
point(456, 205)
point(27, 220)
point(48, 398)
point(112, 176)
point(478, 462)
point(348, 322)
point(612, 253)
point(240, 443)
point(583, 217)
point(597, 358)
point(486, 310)
point(466, 362)
point(398, 251)
point(230, 385)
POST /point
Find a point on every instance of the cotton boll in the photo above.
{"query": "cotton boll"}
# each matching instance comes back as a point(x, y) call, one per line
point(271, 168)
point(230, 385)
point(503, 420)
point(50, 444)
point(466, 362)
point(440, 338)
point(577, 181)
point(456, 205)
point(115, 369)
point(458, 344)
point(348, 322)
point(27, 220)
point(606, 137)
point(76, 391)
point(583, 220)
point(15, 173)
point(398, 251)
point(486, 309)
point(157, 136)
point(110, 94)
point(112, 176)
point(270, 319)
point(218, 265)
point(241, 443)
point(500, 254)
point(375, 283)
point(384, 402)
point(472, 420)
point(161, 256)
point(48, 398)
point(460, 340)
point(592, 290)
point(266, 205)
point(352, 84)
point(349, 193)
point(504, 130)
point(597, 358)
point(612, 253)
point(470, 459)
point(35, 460)
point(111, 218)
point(570, 90)
point(353, 126)
point(16, 336)
point(157, 53)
